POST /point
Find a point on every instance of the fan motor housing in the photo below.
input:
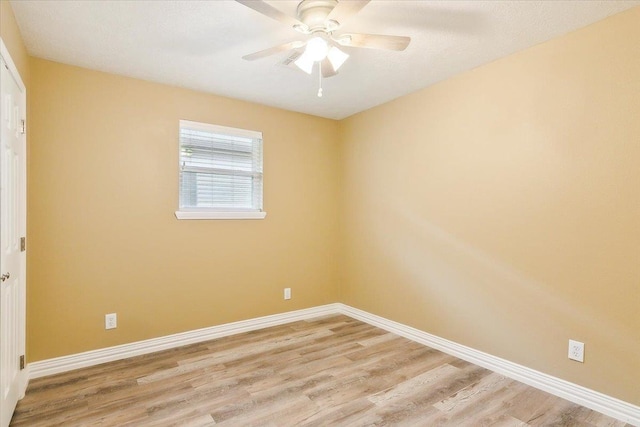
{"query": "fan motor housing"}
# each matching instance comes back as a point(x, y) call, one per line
point(314, 13)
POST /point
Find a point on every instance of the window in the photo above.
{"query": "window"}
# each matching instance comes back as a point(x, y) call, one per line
point(220, 172)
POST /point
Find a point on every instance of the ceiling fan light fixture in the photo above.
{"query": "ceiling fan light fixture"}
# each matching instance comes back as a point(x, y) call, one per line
point(337, 57)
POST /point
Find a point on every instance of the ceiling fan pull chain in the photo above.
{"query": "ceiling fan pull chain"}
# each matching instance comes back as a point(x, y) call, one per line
point(319, 79)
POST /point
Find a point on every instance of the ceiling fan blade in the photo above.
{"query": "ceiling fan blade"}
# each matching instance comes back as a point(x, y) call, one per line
point(273, 50)
point(374, 41)
point(345, 9)
point(327, 68)
point(270, 11)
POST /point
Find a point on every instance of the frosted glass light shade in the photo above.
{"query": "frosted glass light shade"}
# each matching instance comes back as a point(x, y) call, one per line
point(305, 63)
point(337, 57)
point(317, 48)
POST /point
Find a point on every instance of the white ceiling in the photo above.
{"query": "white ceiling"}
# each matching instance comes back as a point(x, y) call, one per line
point(199, 44)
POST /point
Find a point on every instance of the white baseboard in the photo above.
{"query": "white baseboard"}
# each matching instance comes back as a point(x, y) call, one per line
point(109, 354)
point(572, 392)
point(591, 399)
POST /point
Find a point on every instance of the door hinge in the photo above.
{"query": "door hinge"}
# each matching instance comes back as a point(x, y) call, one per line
point(23, 244)
point(23, 127)
point(22, 362)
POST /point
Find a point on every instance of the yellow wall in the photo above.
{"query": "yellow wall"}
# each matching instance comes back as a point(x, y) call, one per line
point(501, 208)
point(11, 37)
point(103, 188)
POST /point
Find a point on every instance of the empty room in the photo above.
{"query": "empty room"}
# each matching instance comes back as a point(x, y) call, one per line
point(320, 213)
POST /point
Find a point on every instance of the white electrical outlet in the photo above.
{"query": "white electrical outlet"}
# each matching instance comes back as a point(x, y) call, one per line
point(110, 321)
point(287, 293)
point(576, 350)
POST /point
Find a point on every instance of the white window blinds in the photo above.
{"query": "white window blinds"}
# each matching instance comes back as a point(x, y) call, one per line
point(220, 168)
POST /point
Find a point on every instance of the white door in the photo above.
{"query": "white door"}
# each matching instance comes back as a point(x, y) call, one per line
point(12, 228)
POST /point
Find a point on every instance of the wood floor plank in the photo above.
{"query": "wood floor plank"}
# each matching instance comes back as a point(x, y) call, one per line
point(413, 385)
point(333, 370)
point(469, 395)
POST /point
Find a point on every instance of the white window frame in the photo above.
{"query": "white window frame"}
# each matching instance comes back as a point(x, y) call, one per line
point(216, 212)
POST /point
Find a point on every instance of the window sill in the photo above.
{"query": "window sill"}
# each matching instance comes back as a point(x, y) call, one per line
point(219, 215)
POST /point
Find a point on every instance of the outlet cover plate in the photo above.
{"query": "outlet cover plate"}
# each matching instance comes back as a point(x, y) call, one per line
point(287, 293)
point(110, 321)
point(576, 351)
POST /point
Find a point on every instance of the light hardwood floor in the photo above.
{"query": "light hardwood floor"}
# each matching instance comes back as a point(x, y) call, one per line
point(334, 371)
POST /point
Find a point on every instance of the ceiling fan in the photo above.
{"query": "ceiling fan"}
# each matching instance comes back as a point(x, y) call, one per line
point(319, 20)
